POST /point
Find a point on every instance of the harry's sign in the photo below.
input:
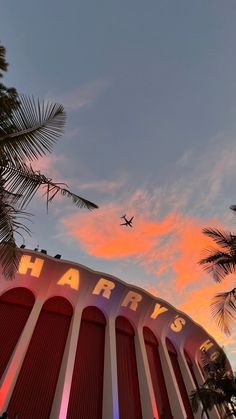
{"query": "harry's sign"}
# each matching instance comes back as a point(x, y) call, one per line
point(103, 287)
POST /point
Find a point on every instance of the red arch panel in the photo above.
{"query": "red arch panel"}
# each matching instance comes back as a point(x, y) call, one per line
point(86, 394)
point(128, 386)
point(190, 365)
point(35, 387)
point(15, 308)
point(158, 380)
point(178, 375)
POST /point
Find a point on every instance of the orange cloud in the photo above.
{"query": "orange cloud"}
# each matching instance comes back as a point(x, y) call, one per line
point(197, 304)
point(101, 235)
point(190, 244)
point(170, 245)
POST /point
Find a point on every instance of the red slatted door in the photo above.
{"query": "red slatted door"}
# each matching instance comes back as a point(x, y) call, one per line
point(86, 394)
point(128, 386)
point(156, 372)
point(35, 387)
point(15, 308)
point(190, 365)
point(179, 379)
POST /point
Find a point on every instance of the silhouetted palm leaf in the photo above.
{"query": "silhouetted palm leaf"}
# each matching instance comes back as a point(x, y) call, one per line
point(27, 132)
point(9, 227)
point(219, 386)
point(31, 130)
point(218, 263)
point(207, 396)
point(233, 208)
point(23, 181)
point(223, 309)
point(222, 238)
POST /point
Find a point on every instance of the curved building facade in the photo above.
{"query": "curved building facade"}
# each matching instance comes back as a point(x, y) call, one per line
point(80, 344)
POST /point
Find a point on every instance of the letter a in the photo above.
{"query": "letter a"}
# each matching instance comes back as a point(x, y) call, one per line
point(71, 278)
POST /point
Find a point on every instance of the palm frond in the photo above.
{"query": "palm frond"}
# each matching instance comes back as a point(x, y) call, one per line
point(213, 255)
point(9, 226)
point(9, 258)
point(76, 199)
point(207, 396)
point(218, 263)
point(24, 182)
point(31, 130)
point(224, 239)
point(233, 208)
point(223, 308)
point(195, 401)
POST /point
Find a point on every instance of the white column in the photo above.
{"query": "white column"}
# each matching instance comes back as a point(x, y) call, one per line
point(148, 401)
point(187, 378)
point(110, 384)
point(62, 393)
point(9, 379)
point(176, 403)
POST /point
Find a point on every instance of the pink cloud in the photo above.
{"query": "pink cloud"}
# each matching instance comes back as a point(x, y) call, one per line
point(168, 247)
point(101, 235)
point(50, 166)
point(170, 244)
point(85, 95)
point(106, 186)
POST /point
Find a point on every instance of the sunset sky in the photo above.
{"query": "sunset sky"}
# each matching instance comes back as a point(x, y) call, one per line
point(149, 88)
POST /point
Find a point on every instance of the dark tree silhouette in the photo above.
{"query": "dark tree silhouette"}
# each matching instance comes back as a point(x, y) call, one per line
point(219, 262)
point(219, 387)
point(28, 130)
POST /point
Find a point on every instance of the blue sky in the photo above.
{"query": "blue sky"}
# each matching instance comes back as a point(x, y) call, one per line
point(149, 89)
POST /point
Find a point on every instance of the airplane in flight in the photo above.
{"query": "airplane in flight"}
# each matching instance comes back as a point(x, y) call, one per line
point(127, 222)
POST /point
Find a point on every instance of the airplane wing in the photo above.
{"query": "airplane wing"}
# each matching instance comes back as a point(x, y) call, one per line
point(124, 224)
point(131, 219)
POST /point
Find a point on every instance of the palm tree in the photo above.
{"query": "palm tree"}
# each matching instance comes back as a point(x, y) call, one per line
point(8, 95)
point(219, 388)
point(28, 130)
point(220, 261)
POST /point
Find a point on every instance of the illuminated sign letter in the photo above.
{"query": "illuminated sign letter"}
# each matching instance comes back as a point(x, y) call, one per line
point(178, 324)
point(105, 287)
point(71, 278)
point(158, 309)
point(206, 345)
point(26, 263)
point(132, 299)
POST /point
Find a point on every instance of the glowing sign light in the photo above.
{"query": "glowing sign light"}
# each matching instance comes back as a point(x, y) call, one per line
point(71, 278)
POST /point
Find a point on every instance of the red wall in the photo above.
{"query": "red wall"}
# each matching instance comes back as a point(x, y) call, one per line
point(87, 383)
point(36, 384)
point(156, 372)
point(178, 375)
point(15, 308)
point(128, 387)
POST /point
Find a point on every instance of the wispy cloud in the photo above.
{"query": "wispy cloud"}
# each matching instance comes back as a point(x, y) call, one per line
point(159, 245)
point(85, 95)
point(102, 186)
